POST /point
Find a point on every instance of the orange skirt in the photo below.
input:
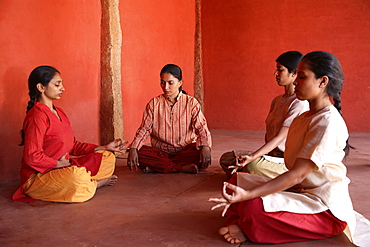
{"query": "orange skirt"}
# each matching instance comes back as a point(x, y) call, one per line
point(69, 184)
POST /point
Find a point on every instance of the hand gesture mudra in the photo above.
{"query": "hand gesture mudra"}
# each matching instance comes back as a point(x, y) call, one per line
point(116, 145)
point(238, 195)
point(240, 162)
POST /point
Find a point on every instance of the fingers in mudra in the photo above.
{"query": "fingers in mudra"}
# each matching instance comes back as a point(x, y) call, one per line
point(235, 169)
point(221, 202)
point(118, 143)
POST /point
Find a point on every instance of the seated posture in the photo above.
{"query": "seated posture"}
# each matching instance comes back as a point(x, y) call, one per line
point(55, 167)
point(180, 139)
point(311, 200)
point(284, 108)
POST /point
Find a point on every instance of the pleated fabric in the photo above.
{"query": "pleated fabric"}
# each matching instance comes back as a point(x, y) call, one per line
point(69, 184)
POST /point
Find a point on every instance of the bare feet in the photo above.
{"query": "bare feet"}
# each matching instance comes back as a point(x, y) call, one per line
point(148, 170)
point(107, 181)
point(232, 234)
point(190, 169)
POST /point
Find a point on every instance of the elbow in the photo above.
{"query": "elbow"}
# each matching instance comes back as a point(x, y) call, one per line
point(296, 178)
point(299, 179)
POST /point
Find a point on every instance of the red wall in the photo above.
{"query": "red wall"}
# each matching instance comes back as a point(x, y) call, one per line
point(64, 34)
point(154, 33)
point(242, 39)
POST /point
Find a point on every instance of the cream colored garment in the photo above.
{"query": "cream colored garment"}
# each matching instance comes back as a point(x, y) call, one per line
point(282, 112)
point(265, 166)
point(302, 203)
point(320, 138)
point(69, 184)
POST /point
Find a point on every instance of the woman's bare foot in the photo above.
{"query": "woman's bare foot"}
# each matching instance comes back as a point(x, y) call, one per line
point(232, 234)
point(148, 170)
point(190, 169)
point(107, 181)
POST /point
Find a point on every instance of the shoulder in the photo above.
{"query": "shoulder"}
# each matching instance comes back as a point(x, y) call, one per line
point(329, 118)
point(189, 99)
point(154, 103)
point(156, 100)
point(37, 114)
point(38, 110)
point(277, 98)
point(299, 103)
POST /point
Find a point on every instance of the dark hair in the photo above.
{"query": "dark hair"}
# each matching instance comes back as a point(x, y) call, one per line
point(175, 71)
point(43, 75)
point(290, 60)
point(323, 63)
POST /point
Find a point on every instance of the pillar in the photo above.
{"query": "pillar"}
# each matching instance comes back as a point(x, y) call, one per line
point(111, 120)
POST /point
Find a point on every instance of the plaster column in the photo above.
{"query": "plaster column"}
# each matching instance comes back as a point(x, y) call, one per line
point(111, 120)
point(198, 66)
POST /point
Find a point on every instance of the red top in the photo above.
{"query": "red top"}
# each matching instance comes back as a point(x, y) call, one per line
point(47, 138)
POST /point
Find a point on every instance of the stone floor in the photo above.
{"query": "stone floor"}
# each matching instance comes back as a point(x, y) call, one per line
point(156, 209)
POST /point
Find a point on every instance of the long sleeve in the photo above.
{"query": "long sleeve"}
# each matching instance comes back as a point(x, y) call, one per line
point(47, 139)
point(35, 128)
point(82, 148)
point(199, 124)
point(145, 128)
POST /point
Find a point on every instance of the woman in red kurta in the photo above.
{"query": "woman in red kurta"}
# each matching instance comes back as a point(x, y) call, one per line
point(56, 167)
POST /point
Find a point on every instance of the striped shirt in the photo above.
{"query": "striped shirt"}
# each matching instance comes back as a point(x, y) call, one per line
point(173, 126)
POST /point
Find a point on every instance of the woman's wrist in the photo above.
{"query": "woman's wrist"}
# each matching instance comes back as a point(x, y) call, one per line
point(100, 148)
point(253, 156)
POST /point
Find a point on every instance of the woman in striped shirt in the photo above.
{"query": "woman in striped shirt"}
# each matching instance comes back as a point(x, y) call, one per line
point(180, 139)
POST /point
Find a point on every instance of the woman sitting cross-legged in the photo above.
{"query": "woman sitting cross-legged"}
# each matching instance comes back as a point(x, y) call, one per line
point(268, 159)
point(311, 200)
point(180, 139)
point(55, 166)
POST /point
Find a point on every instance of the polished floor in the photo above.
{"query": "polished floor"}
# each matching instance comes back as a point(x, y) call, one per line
point(156, 209)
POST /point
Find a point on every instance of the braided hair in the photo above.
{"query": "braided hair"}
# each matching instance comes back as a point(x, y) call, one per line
point(43, 75)
point(323, 63)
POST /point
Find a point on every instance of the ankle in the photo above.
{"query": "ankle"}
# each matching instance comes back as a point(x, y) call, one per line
point(193, 169)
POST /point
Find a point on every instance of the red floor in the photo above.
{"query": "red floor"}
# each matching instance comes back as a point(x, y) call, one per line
point(156, 209)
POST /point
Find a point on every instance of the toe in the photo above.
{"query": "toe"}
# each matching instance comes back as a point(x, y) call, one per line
point(223, 230)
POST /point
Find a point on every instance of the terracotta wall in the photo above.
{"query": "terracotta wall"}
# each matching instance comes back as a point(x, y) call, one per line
point(242, 39)
point(64, 34)
point(154, 33)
